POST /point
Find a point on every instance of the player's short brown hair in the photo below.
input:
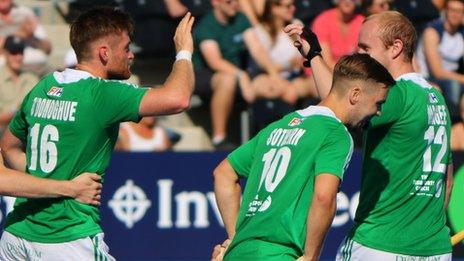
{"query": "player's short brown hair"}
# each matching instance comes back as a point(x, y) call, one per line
point(95, 24)
point(392, 25)
point(360, 67)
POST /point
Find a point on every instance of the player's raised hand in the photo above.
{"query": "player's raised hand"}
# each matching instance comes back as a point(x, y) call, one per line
point(295, 32)
point(183, 39)
point(87, 188)
point(305, 40)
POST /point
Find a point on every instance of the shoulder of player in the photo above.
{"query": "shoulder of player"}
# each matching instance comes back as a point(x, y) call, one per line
point(116, 83)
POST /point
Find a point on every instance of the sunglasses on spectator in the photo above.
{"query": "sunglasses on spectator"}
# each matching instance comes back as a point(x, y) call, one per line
point(288, 6)
point(384, 4)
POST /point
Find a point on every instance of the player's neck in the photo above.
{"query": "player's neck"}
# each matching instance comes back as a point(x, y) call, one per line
point(400, 68)
point(336, 106)
point(93, 70)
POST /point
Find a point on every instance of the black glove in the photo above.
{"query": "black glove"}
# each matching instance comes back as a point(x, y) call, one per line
point(315, 47)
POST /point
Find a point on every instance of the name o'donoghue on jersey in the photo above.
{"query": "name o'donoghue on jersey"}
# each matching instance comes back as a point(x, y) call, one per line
point(54, 109)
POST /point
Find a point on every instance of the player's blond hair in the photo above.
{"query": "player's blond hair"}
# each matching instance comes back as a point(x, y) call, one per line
point(391, 26)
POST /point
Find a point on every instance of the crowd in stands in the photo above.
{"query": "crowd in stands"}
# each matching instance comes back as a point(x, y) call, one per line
point(243, 59)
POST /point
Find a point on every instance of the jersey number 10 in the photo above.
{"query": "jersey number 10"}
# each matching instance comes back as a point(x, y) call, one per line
point(45, 152)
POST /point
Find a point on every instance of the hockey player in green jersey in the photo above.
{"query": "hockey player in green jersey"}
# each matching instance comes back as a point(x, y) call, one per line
point(68, 124)
point(293, 169)
point(407, 167)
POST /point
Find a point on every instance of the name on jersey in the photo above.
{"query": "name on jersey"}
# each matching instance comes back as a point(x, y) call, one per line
point(282, 137)
point(53, 109)
point(437, 114)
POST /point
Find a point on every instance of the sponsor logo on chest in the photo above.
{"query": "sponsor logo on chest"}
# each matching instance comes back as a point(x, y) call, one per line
point(55, 91)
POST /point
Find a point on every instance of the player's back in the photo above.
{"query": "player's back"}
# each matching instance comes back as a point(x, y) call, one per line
point(69, 122)
point(284, 159)
point(406, 152)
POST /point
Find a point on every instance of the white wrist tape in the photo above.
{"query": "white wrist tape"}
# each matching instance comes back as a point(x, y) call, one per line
point(184, 55)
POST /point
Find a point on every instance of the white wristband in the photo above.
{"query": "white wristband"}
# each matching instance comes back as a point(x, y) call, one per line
point(184, 55)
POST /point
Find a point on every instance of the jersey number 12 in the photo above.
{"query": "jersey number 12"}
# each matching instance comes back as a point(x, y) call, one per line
point(438, 138)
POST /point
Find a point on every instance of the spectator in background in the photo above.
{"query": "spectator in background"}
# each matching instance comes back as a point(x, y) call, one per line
point(253, 9)
point(441, 48)
point(277, 14)
point(337, 30)
point(21, 21)
point(457, 130)
point(420, 12)
point(222, 39)
point(175, 8)
point(14, 84)
point(369, 7)
point(144, 136)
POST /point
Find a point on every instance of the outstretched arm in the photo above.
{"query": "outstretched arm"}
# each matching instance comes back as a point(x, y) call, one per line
point(85, 188)
point(310, 49)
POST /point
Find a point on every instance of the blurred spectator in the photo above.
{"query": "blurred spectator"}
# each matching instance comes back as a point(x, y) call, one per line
point(338, 30)
point(369, 7)
point(144, 136)
point(277, 14)
point(21, 21)
point(253, 9)
point(221, 39)
point(306, 10)
point(457, 131)
point(175, 8)
point(420, 12)
point(14, 84)
point(440, 50)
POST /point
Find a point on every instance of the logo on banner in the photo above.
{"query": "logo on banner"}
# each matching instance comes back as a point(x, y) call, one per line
point(129, 204)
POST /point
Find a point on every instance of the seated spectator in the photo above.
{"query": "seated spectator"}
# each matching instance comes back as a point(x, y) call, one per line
point(253, 9)
point(144, 136)
point(338, 30)
point(277, 14)
point(175, 8)
point(457, 131)
point(440, 50)
point(370, 7)
point(222, 38)
point(21, 21)
point(419, 12)
point(14, 84)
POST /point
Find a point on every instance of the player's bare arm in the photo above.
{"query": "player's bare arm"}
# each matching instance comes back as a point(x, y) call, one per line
point(85, 188)
point(174, 95)
point(321, 72)
point(13, 151)
point(321, 214)
point(227, 191)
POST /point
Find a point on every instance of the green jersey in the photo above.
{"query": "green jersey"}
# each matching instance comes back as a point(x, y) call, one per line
point(69, 123)
point(229, 38)
point(280, 165)
point(406, 152)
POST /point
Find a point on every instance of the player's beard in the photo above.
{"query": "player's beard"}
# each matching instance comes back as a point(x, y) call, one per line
point(119, 75)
